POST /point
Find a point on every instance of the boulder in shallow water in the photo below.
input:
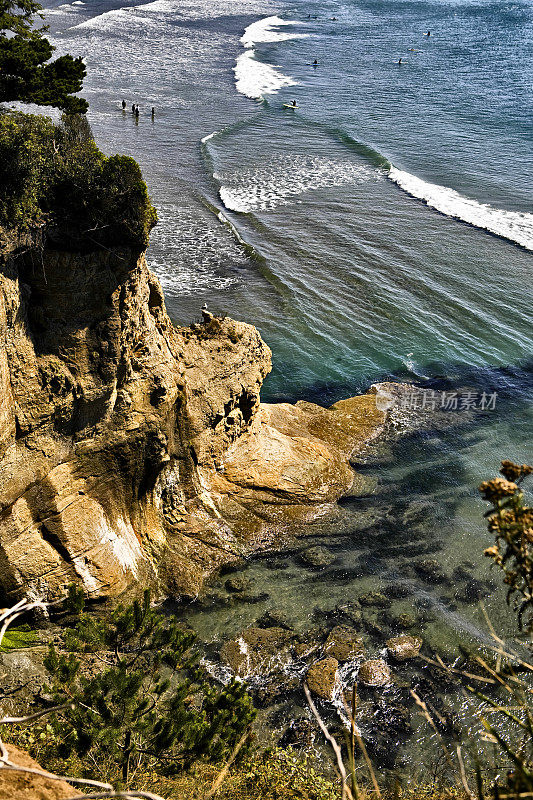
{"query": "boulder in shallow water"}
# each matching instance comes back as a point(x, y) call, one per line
point(403, 648)
point(404, 620)
point(376, 599)
point(430, 571)
point(350, 611)
point(275, 618)
point(344, 644)
point(472, 592)
point(301, 732)
point(238, 583)
point(257, 651)
point(322, 677)
point(317, 557)
point(375, 672)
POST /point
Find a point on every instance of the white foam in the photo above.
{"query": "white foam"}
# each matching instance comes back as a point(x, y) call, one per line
point(190, 256)
point(263, 31)
point(105, 21)
point(209, 136)
point(254, 78)
point(514, 225)
point(284, 179)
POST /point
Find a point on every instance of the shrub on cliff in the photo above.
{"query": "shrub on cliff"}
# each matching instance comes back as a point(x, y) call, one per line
point(130, 699)
point(26, 71)
point(54, 179)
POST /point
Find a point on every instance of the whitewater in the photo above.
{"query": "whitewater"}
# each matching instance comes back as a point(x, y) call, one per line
point(253, 77)
point(513, 225)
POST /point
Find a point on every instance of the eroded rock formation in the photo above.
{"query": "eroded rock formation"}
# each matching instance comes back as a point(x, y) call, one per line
point(132, 451)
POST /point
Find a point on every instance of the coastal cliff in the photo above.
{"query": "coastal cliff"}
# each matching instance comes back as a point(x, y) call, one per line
point(131, 450)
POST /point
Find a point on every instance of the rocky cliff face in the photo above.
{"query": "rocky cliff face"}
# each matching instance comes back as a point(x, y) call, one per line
point(131, 451)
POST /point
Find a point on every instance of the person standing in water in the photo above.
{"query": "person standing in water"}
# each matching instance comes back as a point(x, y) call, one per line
point(137, 111)
point(153, 112)
point(133, 108)
point(123, 105)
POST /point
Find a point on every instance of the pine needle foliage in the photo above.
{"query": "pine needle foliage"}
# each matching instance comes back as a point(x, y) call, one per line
point(143, 701)
point(27, 72)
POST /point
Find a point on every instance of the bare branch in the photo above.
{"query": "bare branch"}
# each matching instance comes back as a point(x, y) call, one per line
point(219, 779)
point(126, 795)
point(346, 793)
point(29, 717)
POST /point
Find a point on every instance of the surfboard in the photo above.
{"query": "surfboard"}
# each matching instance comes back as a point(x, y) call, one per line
point(289, 105)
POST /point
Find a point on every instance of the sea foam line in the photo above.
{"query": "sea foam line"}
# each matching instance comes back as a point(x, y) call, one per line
point(517, 226)
point(254, 78)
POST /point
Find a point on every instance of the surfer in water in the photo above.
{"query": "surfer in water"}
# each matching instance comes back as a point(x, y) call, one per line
point(315, 63)
point(123, 105)
point(428, 33)
point(293, 103)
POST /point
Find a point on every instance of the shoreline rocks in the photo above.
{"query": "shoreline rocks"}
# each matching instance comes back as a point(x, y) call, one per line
point(374, 673)
point(323, 677)
point(404, 648)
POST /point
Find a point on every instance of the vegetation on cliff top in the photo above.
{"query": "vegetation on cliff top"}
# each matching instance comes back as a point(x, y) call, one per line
point(56, 181)
point(26, 71)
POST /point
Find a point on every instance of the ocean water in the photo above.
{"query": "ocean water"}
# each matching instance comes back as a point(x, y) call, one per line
point(382, 229)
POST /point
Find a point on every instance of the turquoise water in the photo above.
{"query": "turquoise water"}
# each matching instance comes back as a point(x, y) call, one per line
point(381, 230)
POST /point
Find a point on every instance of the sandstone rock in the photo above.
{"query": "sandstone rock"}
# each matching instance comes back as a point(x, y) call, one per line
point(25, 786)
point(362, 486)
point(257, 651)
point(305, 649)
point(344, 644)
point(133, 452)
point(374, 672)
point(403, 648)
point(323, 677)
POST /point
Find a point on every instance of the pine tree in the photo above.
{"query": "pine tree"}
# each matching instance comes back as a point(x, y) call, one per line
point(143, 699)
point(26, 71)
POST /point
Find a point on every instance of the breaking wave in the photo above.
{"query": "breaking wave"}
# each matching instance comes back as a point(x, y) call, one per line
point(254, 78)
point(517, 226)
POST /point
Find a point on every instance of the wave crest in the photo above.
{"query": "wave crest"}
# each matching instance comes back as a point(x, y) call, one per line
point(254, 78)
point(517, 226)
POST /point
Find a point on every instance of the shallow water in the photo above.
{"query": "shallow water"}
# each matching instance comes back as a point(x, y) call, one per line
point(381, 230)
